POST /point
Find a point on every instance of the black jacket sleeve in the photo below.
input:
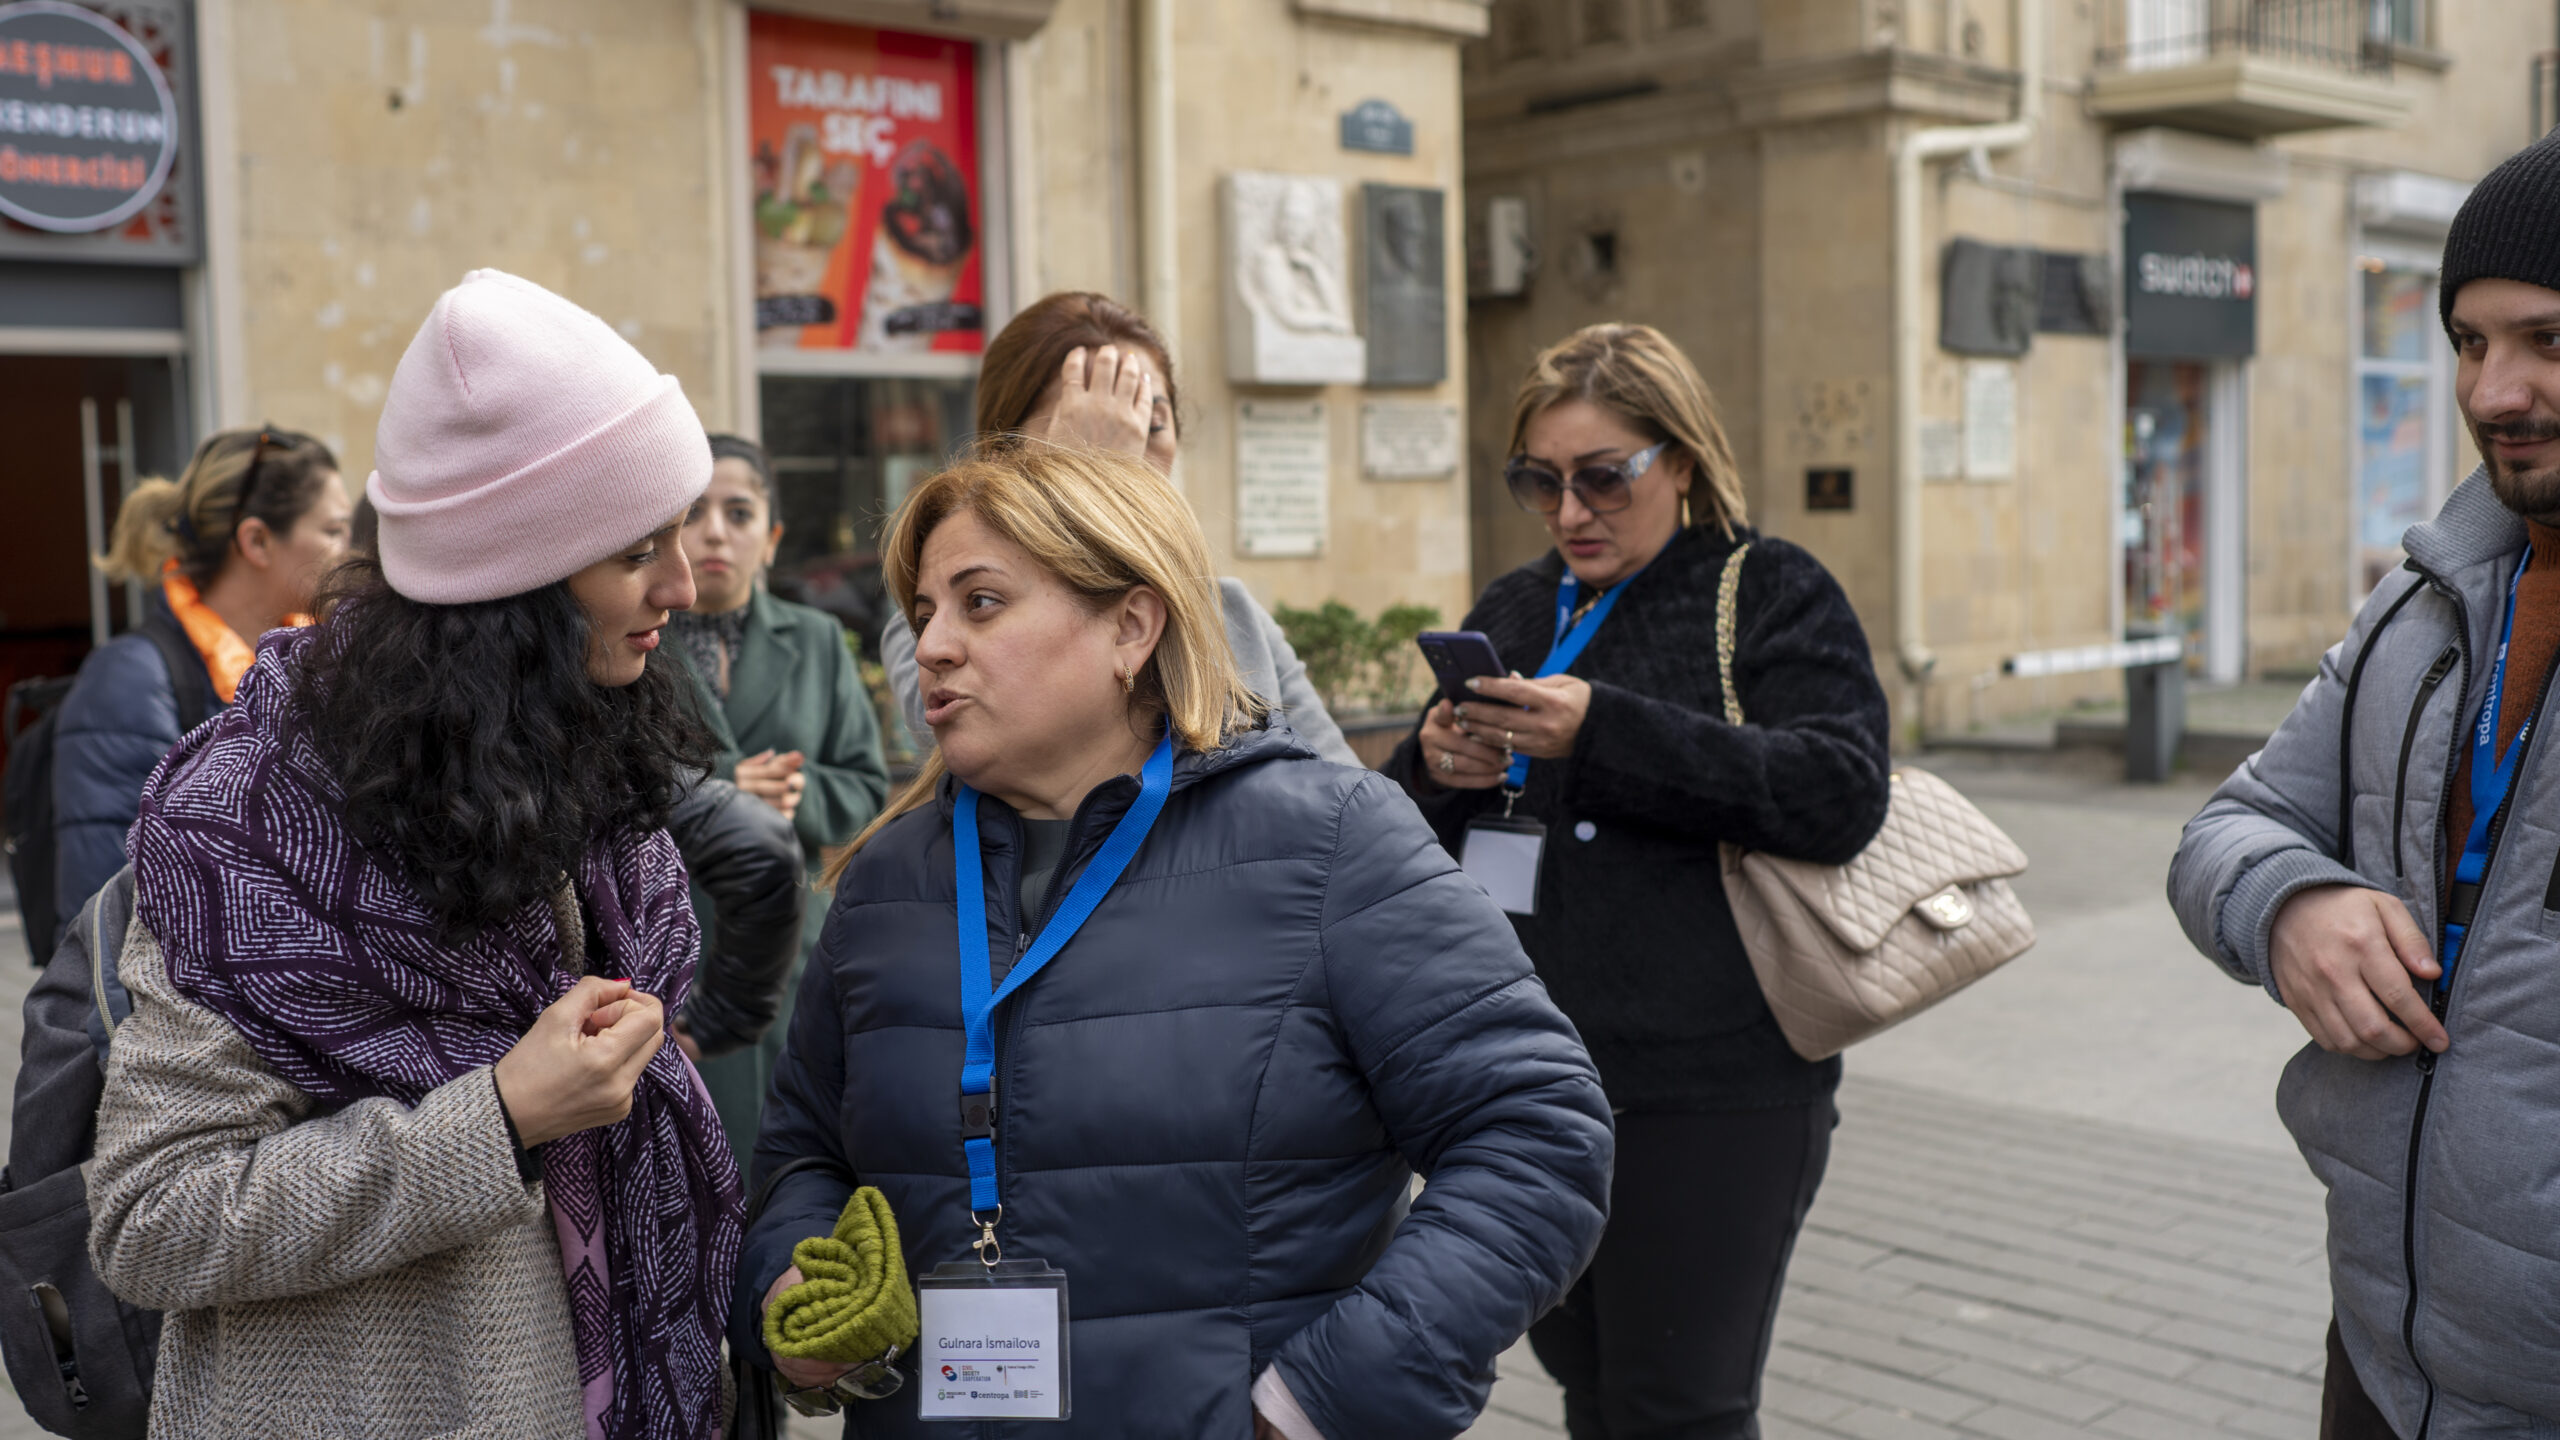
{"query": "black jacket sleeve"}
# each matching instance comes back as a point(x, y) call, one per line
point(746, 858)
point(799, 1120)
point(1807, 774)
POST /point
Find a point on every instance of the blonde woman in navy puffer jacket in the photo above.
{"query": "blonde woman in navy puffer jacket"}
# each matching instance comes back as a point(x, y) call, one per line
point(1209, 1106)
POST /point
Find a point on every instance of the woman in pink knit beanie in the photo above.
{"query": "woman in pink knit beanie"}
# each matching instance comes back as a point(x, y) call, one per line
point(409, 925)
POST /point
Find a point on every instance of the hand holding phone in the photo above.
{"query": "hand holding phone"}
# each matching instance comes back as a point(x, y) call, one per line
point(1458, 656)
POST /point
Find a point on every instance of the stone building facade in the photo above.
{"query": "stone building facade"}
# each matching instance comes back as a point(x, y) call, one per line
point(2172, 364)
point(723, 183)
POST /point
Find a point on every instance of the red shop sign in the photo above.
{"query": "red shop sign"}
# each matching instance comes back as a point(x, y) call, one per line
point(867, 219)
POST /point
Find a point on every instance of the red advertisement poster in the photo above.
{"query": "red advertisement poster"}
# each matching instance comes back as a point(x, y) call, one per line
point(867, 222)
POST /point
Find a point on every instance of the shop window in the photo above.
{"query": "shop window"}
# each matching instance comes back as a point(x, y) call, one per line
point(2401, 431)
point(2400, 22)
point(846, 449)
point(2169, 432)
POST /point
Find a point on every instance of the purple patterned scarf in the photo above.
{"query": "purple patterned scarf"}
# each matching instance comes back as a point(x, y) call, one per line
point(326, 962)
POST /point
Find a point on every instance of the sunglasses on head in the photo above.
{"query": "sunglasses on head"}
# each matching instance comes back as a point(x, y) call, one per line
point(1600, 488)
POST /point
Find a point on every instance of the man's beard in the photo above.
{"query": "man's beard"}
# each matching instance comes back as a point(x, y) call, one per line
point(2531, 493)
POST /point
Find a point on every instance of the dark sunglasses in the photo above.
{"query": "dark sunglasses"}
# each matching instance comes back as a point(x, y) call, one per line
point(1601, 488)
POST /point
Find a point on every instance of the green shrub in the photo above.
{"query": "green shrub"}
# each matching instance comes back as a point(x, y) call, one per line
point(1355, 662)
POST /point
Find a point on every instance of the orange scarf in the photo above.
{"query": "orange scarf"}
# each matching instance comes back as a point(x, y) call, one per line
point(226, 655)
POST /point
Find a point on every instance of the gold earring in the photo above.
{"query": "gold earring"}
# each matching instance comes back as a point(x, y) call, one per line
point(1684, 509)
point(1128, 681)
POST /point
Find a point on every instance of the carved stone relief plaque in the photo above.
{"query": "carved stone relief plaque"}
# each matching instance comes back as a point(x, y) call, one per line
point(1405, 261)
point(1287, 283)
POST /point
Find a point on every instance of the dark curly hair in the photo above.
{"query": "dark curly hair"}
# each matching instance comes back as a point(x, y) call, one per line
point(475, 753)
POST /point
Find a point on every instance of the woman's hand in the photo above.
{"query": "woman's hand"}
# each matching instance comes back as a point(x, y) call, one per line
point(803, 1374)
point(1107, 404)
point(1538, 718)
point(575, 1069)
point(774, 779)
point(1454, 761)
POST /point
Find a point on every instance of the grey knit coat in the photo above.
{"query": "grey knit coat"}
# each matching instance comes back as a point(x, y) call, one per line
point(380, 1271)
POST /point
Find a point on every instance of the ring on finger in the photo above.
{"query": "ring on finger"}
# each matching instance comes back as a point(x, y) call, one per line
point(1448, 762)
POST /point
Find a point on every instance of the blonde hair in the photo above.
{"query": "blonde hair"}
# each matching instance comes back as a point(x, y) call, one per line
point(273, 475)
point(1104, 524)
point(1636, 372)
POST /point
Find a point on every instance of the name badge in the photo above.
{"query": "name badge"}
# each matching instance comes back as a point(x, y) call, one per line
point(1502, 855)
point(994, 1342)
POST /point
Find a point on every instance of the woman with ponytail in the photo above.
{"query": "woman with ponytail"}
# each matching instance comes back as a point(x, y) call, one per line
point(235, 548)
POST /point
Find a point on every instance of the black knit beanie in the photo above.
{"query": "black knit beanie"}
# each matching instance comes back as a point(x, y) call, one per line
point(2510, 227)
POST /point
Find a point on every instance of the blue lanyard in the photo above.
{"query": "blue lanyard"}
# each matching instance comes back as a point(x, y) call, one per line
point(979, 995)
point(1569, 643)
point(2492, 774)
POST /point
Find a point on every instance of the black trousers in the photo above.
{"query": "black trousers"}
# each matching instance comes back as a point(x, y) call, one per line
point(2346, 1412)
point(1665, 1335)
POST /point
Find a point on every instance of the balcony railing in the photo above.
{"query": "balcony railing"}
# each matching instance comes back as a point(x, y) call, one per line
point(2256, 68)
point(2348, 36)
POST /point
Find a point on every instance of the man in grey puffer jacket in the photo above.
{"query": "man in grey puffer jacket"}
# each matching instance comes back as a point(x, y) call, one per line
point(2388, 868)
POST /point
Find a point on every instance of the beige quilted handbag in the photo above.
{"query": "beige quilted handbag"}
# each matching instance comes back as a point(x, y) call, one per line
point(1843, 951)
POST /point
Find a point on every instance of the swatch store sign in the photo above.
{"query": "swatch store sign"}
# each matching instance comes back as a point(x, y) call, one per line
point(2190, 278)
point(88, 125)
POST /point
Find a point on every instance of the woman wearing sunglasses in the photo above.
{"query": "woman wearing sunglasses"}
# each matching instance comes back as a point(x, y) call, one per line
point(1620, 777)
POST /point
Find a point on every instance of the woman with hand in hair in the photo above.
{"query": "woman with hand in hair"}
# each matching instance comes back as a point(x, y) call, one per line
point(1082, 369)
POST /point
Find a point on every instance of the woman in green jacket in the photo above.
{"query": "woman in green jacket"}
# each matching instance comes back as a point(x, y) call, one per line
point(796, 729)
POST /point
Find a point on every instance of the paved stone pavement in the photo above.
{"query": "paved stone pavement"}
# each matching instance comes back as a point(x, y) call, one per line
point(2059, 1204)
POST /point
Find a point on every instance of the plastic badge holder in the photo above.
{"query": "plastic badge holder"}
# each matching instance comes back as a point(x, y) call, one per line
point(962, 1382)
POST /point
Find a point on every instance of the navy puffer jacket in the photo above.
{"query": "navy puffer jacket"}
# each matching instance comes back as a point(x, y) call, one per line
point(118, 721)
point(1213, 1101)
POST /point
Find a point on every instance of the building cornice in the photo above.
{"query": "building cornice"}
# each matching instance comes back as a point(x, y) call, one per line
point(1913, 83)
point(1456, 19)
point(967, 19)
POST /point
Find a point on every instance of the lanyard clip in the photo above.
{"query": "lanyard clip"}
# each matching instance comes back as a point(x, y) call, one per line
point(990, 1253)
point(978, 1115)
point(1510, 797)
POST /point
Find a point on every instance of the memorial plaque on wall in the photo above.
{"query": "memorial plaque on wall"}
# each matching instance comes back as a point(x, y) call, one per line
point(1408, 440)
point(1282, 450)
point(1405, 240)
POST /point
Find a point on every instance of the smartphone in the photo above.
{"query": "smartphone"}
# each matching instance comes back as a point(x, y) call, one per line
point(1458, 656)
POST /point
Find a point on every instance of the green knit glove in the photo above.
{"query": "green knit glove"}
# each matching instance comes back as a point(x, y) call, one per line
point(853, 1301)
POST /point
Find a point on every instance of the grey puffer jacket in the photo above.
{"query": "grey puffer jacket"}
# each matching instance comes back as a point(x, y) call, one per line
point(2443, 1172)
point(1212, 1103)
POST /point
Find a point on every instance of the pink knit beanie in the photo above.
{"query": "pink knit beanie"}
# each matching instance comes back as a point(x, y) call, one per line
point(522, 441)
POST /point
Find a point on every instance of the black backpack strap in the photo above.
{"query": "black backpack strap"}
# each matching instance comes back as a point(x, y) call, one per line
point(2347, 719)
point(187, 679)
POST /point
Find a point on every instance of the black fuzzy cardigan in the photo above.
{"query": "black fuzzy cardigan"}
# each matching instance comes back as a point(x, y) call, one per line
point(1632, 935)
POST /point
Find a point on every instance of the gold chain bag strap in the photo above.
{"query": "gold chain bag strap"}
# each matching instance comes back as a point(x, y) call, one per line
point(1843, 951)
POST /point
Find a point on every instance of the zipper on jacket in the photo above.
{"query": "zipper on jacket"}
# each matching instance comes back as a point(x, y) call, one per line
point(2441, 1000)
point(2437, 1002)
point(2408, 738)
